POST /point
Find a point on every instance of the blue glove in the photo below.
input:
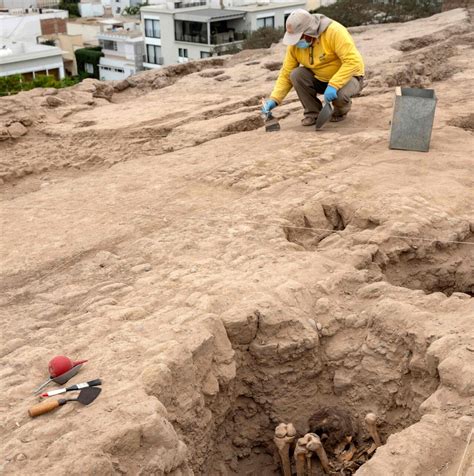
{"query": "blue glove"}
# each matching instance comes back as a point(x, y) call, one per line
point(269, 105)
point(330, 94)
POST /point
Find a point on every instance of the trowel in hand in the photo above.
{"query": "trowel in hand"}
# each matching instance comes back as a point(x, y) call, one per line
point(324, 115)
point(271, 123)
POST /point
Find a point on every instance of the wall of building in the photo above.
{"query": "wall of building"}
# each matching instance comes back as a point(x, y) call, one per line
point(166, 41)
point(69, 44)
point(89, 32)
point(91, 10)
point(52, 26)
point(33, 65)
point(279, 15)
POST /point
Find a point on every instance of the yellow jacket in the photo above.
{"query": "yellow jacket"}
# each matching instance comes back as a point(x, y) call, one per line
point(333, 58)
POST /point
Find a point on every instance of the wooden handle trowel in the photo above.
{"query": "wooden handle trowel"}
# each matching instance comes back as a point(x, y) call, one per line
point(86, 396)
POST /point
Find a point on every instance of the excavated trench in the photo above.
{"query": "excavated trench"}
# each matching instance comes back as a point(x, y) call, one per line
point(441, 267)
point(294, 368)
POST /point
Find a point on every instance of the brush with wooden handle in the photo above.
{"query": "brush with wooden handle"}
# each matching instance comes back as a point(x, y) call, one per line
point(86, 396)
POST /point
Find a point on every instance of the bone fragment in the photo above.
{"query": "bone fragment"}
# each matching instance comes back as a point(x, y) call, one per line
point(284, 436)
point(300, 456)
point(314, 444)
point(371, 422)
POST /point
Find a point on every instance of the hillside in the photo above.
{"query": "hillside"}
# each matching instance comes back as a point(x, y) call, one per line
point(222, 280)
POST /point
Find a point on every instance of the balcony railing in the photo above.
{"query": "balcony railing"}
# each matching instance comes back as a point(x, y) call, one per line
point(227, 37)
point(216, 39)
point(200, 3)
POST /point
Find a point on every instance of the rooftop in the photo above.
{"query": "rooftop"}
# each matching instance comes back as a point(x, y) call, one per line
point(272, 6)
point(122, 32)
point(102, 21)
point(13, 51)
point(208, 14)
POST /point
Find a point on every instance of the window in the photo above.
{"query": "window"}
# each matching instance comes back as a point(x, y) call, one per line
point(205, 54)
point(286, 18)
point(153, 53)
point(267, 22)
point(152, 29)
point(190, 31)
point(89, 68)
point(108, 44)
point(182, 52)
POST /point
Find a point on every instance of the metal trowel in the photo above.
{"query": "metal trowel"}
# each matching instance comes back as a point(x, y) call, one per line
point(324, 115)
point(271, 123)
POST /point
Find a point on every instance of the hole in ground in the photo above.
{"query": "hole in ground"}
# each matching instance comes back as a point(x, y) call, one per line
point(464, 122)
point(288, 374)
point(445, 268)
point(314, 222)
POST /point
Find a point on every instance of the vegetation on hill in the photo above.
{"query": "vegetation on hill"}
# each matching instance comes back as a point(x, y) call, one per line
point(15, 83)
point(364, 12)
point(263, 38)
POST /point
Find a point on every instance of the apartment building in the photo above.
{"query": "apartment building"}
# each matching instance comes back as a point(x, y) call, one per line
point(177, 32)
point(123, 50)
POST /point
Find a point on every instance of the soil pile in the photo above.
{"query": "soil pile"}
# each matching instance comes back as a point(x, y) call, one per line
point(222, 280)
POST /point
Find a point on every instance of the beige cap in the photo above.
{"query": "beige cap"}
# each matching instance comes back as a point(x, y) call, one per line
point(298, 23)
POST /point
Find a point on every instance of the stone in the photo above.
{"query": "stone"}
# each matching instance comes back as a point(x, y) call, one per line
point(121, 85)
point(17, 130)
point(141, 268)
point(4, 135)
point(103, 91)
point(342, 381)
point(53, 101)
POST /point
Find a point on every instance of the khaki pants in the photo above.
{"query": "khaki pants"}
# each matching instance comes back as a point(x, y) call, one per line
point(308, 87)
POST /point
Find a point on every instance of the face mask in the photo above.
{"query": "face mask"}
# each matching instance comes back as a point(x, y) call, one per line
point(303, 44)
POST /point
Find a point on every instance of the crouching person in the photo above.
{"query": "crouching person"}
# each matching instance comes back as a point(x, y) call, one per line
point(321, 59)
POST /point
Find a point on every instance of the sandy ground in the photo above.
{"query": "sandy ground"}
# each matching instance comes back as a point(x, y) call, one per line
point(221, 279)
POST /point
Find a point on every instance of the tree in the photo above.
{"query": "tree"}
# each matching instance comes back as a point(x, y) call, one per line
point(263, 38)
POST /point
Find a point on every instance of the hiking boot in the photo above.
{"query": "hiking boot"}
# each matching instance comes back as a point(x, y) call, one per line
point(308, 121)
point(338, 118)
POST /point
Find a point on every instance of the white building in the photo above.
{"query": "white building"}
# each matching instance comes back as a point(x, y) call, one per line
point(25, 25)
point(89, 28)
point(91, 8)
point(176, 33)
point(123, 50)
point(30, 60)
point(118, 6)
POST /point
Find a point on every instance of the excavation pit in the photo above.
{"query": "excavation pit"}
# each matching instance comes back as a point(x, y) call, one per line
point(446, 268)
point(324, 385)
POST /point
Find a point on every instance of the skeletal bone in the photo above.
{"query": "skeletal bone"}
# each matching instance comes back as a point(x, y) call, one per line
point(284, 436)
point(300, 455)
point(314, 444)
point(371, 422)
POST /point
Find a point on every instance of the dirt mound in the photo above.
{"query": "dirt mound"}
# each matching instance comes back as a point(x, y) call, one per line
point(244, 296)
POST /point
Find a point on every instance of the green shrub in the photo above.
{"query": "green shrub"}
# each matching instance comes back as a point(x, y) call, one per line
point(364, 12)
point(91, 56)
point(134, 9)
point(71, 6)
point(15, 83)
point(263, 38)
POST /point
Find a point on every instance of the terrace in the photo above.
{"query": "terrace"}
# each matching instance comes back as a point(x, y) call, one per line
point(210, 26)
